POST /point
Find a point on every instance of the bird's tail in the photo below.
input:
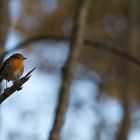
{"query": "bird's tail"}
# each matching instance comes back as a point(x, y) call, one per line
point(1, 79)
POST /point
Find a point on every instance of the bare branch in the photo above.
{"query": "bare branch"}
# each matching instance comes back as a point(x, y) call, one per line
point(15, 87)
point(117, 50)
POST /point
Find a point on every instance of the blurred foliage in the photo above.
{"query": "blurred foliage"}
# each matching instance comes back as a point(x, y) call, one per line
point(109, 22)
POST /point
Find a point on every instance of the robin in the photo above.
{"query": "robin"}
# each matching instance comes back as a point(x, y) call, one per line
point(12, 68)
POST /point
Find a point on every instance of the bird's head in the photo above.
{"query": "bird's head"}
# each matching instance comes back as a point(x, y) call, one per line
point(18, 56)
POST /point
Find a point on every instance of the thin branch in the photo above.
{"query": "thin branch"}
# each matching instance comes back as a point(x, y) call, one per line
point(39, 38)
point(15, 87)
point(117, 50)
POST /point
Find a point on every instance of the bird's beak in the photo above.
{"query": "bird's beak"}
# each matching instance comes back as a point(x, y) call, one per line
point(24, 58)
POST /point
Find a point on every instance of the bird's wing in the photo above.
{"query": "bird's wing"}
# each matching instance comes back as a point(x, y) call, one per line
point(3, 65)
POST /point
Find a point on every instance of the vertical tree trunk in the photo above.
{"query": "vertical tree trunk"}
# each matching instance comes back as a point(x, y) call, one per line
point(4, 24)
point(76, 45)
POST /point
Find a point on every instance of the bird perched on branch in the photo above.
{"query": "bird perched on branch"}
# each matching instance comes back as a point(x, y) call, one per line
point(12, 68)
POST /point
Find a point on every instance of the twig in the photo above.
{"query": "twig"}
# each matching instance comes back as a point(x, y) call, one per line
point(15, 87)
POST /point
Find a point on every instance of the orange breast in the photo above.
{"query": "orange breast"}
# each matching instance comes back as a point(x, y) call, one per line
point(17, 65)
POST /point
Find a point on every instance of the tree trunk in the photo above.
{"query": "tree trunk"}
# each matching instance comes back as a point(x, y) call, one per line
point(76, 46)
point(4, 25)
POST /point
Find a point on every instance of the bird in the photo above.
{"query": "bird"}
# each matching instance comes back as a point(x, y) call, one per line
point(12, 68)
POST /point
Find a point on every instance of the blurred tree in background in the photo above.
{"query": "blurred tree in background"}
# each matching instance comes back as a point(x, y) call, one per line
point(93, 47)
